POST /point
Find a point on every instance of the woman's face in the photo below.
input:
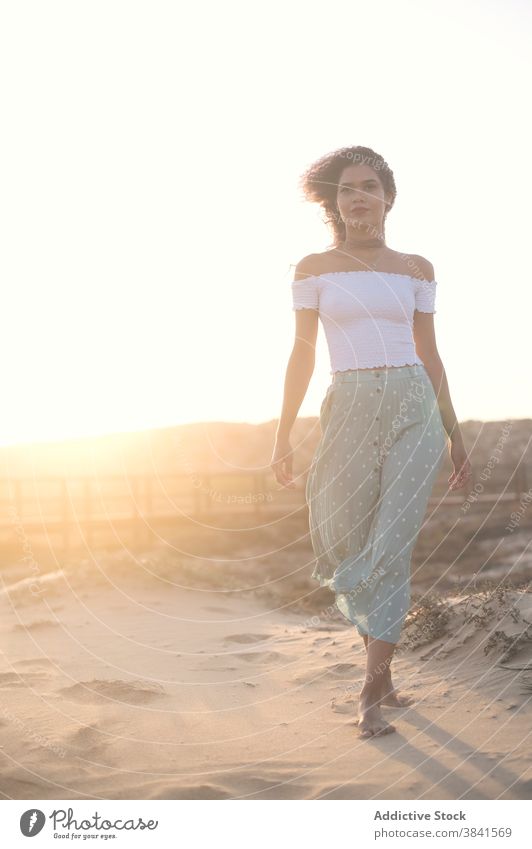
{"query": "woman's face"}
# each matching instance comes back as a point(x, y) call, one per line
point(361, 198)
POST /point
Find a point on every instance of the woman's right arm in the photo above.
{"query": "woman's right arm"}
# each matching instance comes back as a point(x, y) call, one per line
point(298, 374)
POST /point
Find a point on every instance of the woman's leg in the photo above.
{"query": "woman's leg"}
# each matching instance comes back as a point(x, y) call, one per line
point(408, 472)
point(370, 720)
point(382, 447)
point(389, 695)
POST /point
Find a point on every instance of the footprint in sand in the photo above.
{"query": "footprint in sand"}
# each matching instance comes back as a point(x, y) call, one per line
point(88, 740)
point(11, 681)
point(342, 669)
point(193, 791)
point(346, 705)
point(269, 782)
point(129, 692)
point(260, 656)
point(248, 638)
point(38, 662)
point(335, 671)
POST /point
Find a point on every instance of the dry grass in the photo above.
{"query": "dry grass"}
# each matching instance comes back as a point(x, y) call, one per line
point(426, 621)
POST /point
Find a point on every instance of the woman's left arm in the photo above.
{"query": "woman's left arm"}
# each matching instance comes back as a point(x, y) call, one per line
point(427, 351)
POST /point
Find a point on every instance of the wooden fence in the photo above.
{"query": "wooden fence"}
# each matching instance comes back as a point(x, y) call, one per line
point(67, 510)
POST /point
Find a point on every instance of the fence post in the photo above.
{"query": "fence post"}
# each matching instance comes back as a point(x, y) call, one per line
point(207, 500)
point(88, 511)
point(148, 508)
point(258, 487)
point(18, 499)
point(520, 482)
point(65, 515)
point(135, 505)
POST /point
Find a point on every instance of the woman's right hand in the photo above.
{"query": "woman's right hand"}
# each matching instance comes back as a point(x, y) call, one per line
point(281, 463)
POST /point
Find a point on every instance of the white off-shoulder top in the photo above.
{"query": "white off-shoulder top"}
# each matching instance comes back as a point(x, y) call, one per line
point(367, 316)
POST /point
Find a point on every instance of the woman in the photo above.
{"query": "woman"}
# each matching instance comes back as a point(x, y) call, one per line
point(386, 419)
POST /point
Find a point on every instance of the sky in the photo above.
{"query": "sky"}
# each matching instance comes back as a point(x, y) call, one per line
point(152, 214)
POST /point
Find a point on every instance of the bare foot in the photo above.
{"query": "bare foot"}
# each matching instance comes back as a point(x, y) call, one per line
point(370, 722)
point(391, 697)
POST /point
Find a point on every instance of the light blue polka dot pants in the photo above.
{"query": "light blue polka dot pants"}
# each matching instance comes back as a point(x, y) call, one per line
point(382, 444)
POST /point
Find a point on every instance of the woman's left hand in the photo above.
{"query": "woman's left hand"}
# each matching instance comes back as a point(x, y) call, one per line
point(462, 467)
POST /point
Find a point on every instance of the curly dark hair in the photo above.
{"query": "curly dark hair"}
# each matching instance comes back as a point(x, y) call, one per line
point(320, 182)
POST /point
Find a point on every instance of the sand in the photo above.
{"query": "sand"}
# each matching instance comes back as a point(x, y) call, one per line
point(116, 681)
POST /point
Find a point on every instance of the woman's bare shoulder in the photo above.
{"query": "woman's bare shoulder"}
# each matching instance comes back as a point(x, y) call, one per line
point(416, 266)
point(311, 265)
